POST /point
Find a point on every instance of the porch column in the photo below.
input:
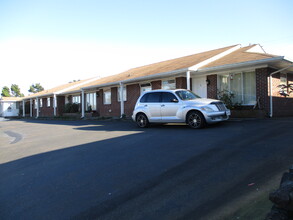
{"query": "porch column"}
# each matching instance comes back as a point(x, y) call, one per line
point(37, 103)
point(55, 105)
point(31, 108)
point(82, 103)
point(23, 108)
point(121, 100)
point(188, 80)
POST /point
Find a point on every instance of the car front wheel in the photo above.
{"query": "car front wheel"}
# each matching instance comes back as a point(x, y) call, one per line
point(195, 119)
point(142, 120)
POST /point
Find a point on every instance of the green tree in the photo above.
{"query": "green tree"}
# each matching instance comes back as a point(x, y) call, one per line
point(5, 92)
point(15, 91)
point(34, 88)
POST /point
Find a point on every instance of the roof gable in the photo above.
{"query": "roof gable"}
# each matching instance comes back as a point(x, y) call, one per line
point(241, 55)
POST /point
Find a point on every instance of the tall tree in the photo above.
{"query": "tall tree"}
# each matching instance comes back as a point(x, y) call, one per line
point(15, 91)
point(5, 92)
point(34, 88)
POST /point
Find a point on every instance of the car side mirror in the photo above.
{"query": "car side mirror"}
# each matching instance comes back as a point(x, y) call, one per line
point(175, 100)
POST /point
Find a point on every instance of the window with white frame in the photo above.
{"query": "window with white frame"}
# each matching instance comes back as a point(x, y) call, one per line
point(145, 87)
point(169, 84)
point(91, 102)
point(41, 102)
point(76, 99)
point(124, 93)
point(241, 85)
point(48, 102)
point(107, 96)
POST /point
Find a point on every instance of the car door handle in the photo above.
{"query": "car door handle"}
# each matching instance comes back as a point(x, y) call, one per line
point(162, 105)
point(145, 105)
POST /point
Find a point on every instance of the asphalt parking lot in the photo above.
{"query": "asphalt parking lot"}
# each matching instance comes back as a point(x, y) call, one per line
point(114, 170)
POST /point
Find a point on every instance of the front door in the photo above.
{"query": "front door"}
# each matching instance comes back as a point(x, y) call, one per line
point(199, 86)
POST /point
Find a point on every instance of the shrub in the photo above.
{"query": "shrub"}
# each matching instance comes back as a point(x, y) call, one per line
point(71, 108)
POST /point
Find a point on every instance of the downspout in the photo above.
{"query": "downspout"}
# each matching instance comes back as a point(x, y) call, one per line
point(31, 108)
point(23, 108)
point(82, 103)
point(55, 105)
point(188, 79)
point(37, 103)
point(121, 100)
point(271, 88)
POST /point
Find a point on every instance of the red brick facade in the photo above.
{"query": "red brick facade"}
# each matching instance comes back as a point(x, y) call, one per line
point(133, 93)
point(46, 111)
point(282, 106)
point(212, 91)
point(156, 84)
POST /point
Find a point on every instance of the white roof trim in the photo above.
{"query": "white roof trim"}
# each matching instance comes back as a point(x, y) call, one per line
point(77, 85)
point(214, 58)
point(243, 64)
point(256, 49)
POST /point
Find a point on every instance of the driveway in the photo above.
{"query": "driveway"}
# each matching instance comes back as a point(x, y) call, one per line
point(114, 170)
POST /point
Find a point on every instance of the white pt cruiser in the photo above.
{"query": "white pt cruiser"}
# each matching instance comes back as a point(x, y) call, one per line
point(169, 106)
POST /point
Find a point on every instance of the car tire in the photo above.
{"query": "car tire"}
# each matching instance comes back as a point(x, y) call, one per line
point(195, 119)
point(142, 120)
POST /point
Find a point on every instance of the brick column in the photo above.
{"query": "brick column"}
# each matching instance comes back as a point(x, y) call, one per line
point(212, 87)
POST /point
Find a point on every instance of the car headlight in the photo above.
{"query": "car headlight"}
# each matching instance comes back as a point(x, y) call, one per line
point(207, 109)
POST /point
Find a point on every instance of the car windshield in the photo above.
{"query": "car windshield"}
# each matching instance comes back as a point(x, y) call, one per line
point(186, 95)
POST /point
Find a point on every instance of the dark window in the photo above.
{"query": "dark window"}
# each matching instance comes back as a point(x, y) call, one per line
point(151, 97)
point(168, 97)
point(144, 98)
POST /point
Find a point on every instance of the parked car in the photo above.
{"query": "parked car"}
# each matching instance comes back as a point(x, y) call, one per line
point(169, 106)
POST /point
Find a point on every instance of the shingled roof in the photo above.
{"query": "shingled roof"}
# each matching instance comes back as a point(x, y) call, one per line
point(59, 89)
point(240, 56)
point(160, 67)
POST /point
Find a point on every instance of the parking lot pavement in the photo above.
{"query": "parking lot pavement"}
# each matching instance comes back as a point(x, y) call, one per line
point(111, 170)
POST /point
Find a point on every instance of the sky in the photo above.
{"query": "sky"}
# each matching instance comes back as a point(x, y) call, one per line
point(58, 41)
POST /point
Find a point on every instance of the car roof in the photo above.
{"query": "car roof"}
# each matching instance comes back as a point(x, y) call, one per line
point(165, 90)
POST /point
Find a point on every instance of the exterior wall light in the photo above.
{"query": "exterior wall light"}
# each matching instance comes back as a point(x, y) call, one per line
point(208, 82)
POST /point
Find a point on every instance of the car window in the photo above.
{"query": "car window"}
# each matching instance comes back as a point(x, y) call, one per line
point(151, 97)
point(144, 98)
point(154, 97)
point(187, 95)
point(168, 97)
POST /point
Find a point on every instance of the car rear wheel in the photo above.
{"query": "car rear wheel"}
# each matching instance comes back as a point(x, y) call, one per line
point(142, 120)
point(195, 119)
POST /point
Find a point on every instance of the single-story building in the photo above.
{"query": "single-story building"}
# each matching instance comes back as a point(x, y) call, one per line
point(9, 106)
point(48, 103)
point(250, 77)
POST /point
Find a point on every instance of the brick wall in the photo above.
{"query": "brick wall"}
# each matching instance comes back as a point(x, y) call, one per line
point(212, 87)
point(111, 110)
point(133, 93)
point(47, 111)
point(60, 105)
point(281, 106)
point(156, 84)
point(262, 88)
point(181, 83)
